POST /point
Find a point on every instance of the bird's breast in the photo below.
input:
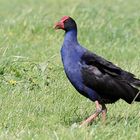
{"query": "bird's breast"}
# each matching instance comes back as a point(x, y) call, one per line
point(71, 58)
point(73, 72)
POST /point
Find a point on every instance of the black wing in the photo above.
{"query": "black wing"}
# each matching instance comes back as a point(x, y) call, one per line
point(109, 68)
point(108, 80)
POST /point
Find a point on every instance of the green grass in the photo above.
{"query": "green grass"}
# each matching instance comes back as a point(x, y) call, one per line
point(36, 99)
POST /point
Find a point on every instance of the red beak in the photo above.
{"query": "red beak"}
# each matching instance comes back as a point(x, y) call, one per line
point(59, 25)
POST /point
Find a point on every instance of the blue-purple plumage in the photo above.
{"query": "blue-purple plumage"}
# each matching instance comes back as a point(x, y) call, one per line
point(71, 53)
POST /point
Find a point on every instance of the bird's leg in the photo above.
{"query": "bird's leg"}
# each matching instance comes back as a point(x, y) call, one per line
point(104, 111)
point(92, 117)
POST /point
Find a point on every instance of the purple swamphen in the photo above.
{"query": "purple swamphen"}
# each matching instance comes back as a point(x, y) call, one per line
point(92, 76)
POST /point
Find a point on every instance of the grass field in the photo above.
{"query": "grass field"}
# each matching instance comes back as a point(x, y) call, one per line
point(36, 99)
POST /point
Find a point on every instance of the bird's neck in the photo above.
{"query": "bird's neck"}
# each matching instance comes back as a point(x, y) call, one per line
point(71, 36)
point(69, 47)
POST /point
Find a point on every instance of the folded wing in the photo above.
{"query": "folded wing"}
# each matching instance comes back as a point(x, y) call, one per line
point(109, 81)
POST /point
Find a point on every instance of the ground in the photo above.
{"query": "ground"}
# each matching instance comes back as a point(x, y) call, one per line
point(37, 101)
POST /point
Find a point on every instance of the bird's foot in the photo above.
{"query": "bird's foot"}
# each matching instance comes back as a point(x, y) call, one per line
point(99, 109)
point(91, 118)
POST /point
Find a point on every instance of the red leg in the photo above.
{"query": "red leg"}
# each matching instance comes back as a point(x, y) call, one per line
point(92, 117)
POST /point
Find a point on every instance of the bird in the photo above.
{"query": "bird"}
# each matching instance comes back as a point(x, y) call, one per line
point(92, 76)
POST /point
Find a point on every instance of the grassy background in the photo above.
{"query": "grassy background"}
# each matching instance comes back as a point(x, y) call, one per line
point(36, 99)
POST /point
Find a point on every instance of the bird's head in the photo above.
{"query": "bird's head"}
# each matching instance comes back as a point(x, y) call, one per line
point(66, 23)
